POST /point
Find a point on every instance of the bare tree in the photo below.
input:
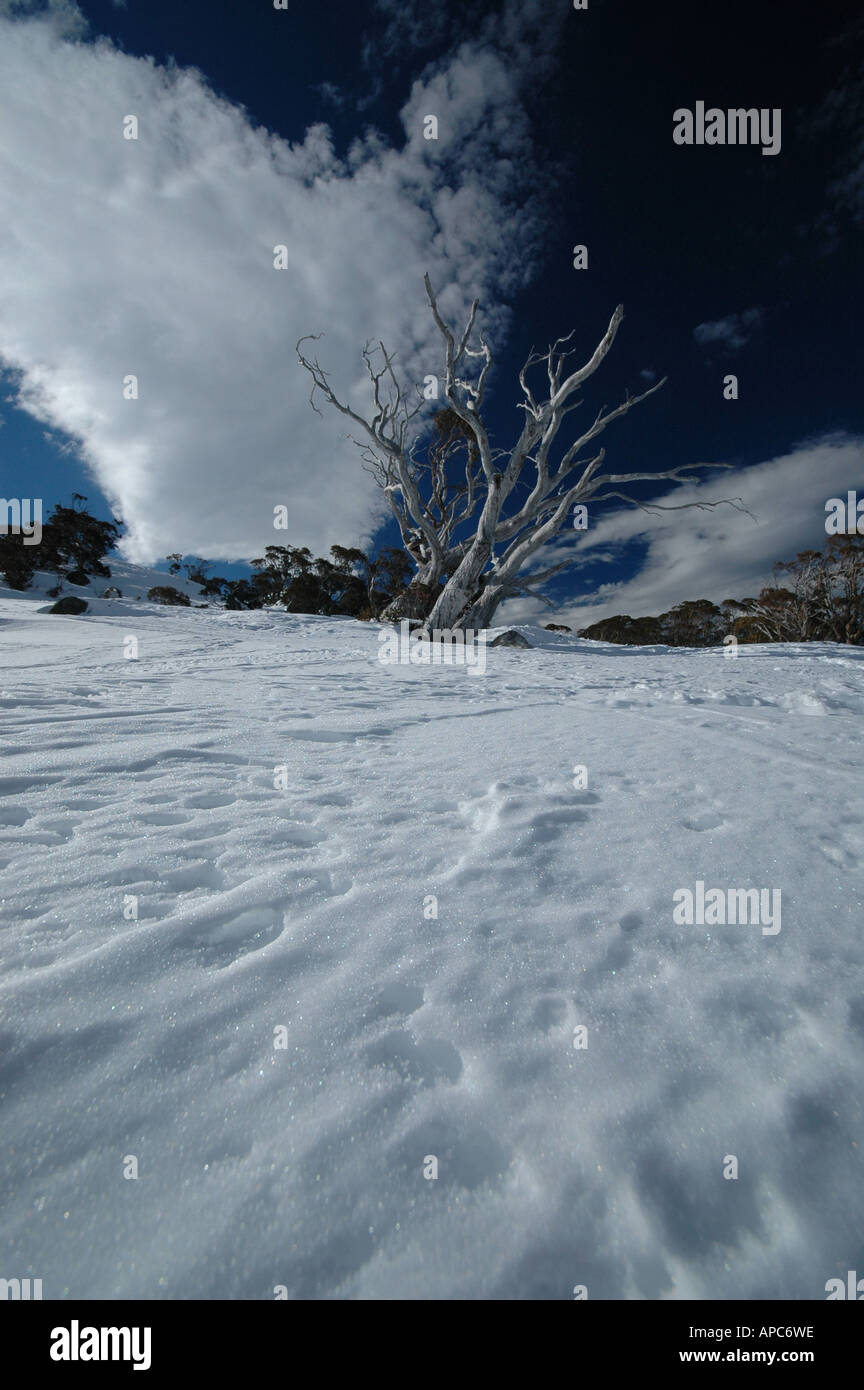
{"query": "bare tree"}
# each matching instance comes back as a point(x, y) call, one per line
point(470, 548)
point(822, 601)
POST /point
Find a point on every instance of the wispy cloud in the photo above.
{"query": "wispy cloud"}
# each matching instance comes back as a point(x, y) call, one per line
point(64, 16)
point(839, 121)
point(330, 92)
point(732, 332)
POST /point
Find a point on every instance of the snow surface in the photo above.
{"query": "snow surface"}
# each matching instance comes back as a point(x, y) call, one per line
point(408, 1036)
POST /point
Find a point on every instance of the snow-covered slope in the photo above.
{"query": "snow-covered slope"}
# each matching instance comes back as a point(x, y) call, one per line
point(409, 1036)
point(133, 582)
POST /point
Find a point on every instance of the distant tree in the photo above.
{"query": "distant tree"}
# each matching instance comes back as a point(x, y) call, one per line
point(73, 548)
point(18, 562)
point(823, 600)
point(351, 564)
point(840, 601)
point(75, 543)
point(240, 593)
point(174, 562)
point(348, 583)
point(164, 593)
point(622, 628)
point(695, 623)
point(340, 589)
point(278, 567)
point(305, 594)
point(391, 576)
point(196, 570)
point(214, 587)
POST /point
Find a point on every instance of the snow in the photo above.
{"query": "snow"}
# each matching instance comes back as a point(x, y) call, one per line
point(409, 1036)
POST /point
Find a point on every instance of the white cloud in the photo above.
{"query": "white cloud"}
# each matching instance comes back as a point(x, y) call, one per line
point(716, 554)
point(64, 15)
point(733, 331)
point(155, 257)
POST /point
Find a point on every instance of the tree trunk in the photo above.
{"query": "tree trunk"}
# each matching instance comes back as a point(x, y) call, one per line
point(461, 589)
point(483, 609)
point(417, 600)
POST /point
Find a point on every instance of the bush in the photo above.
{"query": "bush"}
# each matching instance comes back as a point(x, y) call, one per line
point(164, 593)
point(18, 562)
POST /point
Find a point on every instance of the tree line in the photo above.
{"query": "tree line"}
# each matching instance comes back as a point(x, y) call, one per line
point(75, 545)
point(817, 597)
point(822, 600)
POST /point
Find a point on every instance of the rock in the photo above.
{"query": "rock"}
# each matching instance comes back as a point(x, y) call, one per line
point(78, 578)
point(511, 638)
point(112, 592)
point(557, 627)
point(70, 604)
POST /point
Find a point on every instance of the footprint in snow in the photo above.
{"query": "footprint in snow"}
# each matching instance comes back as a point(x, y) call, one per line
point(428, 1062)
point(396, 998)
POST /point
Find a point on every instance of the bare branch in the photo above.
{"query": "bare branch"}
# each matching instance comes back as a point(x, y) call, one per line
point(458, 520)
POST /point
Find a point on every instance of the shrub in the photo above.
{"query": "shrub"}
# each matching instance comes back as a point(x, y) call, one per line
point(164, 593)
point(18, 562)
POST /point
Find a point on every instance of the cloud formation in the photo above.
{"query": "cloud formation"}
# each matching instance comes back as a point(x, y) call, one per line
point(155, 257)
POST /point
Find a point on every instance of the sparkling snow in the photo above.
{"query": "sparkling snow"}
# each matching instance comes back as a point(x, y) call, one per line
point(408, 1036)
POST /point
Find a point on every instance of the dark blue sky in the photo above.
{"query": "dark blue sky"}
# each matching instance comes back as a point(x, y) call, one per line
point(680, 236)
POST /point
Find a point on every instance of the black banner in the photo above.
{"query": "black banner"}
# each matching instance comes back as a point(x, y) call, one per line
point(60, 1340)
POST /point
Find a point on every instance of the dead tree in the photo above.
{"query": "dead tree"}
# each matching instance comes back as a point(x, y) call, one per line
point(450, 500)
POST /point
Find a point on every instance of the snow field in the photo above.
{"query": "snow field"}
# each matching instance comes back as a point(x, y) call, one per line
point(409, 1035)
